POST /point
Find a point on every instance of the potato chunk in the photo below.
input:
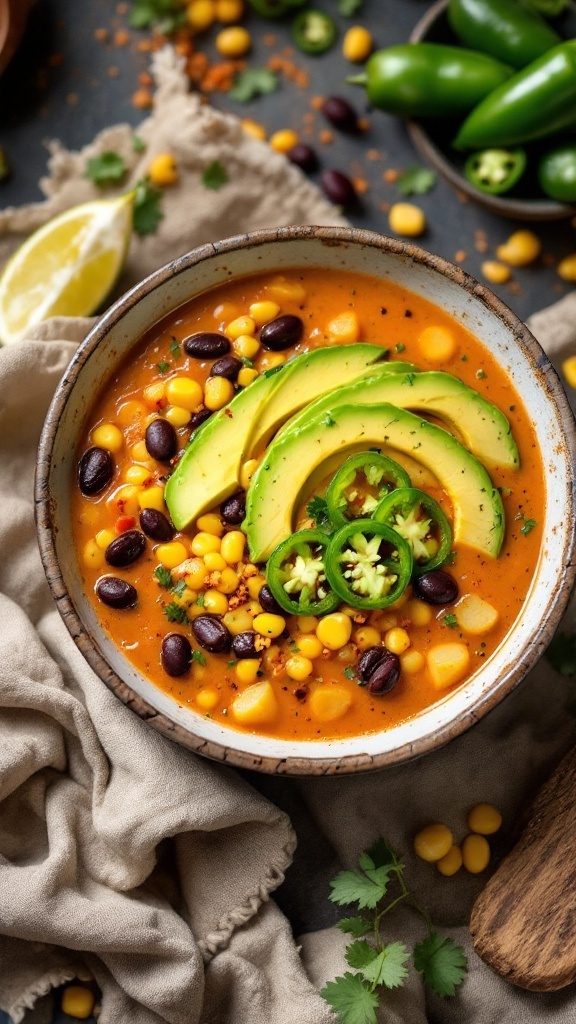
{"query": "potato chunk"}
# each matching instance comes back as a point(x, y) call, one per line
point(256, 705)
point(447, 664)
point(327, 703)
point(475, 615)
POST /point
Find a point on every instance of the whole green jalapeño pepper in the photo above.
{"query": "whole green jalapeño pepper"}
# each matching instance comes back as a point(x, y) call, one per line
point(368, 564)
point(429, 80)
point(296, 574)
point(418, 518)
point(537, 101)
point(557, 173)
point(360, 483)
point(502, 28)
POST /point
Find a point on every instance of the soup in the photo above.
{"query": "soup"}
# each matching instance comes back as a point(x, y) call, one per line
point(308, 505)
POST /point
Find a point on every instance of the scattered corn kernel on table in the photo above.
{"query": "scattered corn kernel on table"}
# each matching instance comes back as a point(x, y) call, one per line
point(82, 67)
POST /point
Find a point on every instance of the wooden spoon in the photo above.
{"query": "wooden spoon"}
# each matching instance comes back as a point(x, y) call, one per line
point(524, 921)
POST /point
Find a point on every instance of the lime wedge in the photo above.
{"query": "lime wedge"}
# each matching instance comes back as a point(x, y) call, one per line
point(67, 267)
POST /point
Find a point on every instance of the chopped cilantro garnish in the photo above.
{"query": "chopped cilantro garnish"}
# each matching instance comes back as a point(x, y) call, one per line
point(147, 212)
point(450, 620)
point(409, 379)
point(215, 176)
point(317, 509)
point(529, 524)
point(400, 347)
point(164, 15)
point(106, 169)
point(349, 672)
point(253, 82)
point(480, 374)
point(200, 600)
point(163, 367)
point(416, 180)
point(199, 657)
point(175, 613)
point(179, 588)
point(163, 576)
point(174, 348)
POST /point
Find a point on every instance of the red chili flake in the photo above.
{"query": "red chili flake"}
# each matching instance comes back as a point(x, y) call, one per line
point(124, 523)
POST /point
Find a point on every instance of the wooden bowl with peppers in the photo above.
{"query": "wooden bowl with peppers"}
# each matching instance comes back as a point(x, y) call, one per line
point(488, 89)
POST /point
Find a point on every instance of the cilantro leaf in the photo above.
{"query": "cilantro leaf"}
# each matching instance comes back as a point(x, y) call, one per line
point(350, 997)
point(387, 968)
point(348, 8)
point(360, 954)
point(441, 962)
point(163, 367)
point(175, 613)
point(529, 524)
point(356, 926)
point(562, 653)
point(379, 855)
point(179, 588)
point(416, 180)
point(107, 169)
point(215, 176)
point(199, 657)
point(317, 509)
point(147, 212)
point(349, 672)
point(350, 887)
point(165, 15)
point(138, 144)
point(253, 82)
point(450, 620)
point(174, 348)
point(163, 576)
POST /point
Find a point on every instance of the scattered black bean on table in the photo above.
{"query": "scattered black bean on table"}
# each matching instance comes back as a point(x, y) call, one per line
point(228, 367)
point(304, 157)
point(340, 113)
point(283, 332)
point(206, 346)
point(436, 587)
point(338, 188)
point(212, 634)
point(155, 525)
point(160, 440)
point(95, 471)
point(116, 593)
point(176, 654)
point(125, 549)
point(233, 510)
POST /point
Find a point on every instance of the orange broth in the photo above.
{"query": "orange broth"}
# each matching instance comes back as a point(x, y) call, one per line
point(388, 316)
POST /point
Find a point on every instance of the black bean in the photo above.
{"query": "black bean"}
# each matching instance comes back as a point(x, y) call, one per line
point(233, 510)
point(156, 525)
point(95, 471)
point(386, 675)
point(304, 157)
point(340, 113)
point(125, 549)
point(206, 346)
point(161, 441)
point(116, 593)
point(198, 418)
point(436, 587)
point(176, 654)
point(338, 188)
point(369, 661)
point(244, 645)
point(283, 332)
point(268, 601)
point(228, 367)
point(212, 634)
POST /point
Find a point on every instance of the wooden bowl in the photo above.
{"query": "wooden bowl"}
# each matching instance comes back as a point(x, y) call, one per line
point(432, 139)
point(389, 260)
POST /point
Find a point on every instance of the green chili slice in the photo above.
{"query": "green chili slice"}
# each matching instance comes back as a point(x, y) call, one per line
point(495, 171)
point(368, 564)
point(360, 484)
point(314, 31)
point(296, 574)
point(418, 518)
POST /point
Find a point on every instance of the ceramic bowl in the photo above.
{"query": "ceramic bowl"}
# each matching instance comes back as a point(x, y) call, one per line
point(432, 139)
point(330, 248)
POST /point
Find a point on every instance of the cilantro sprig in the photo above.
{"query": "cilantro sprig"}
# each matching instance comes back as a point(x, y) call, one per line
point(528, 524)
point(164, 15)
point(147, 212)
point(215, 176)
point(253, 82)
point(376, 889)
point(108, 168)
point(317, 509)
point(416, 180)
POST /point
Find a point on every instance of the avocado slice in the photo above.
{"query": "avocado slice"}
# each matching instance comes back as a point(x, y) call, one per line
point(209, 470)
point(290, 460)
point(484, 430)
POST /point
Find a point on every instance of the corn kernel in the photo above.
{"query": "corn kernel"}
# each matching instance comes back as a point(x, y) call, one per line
point(184, 392)
point(397, 640)
point(475, 854)
point(566, 269)
point(407, 219)
point(171, 554)
point(233, 42)
point(218, 391)
point(282, 290)
point(357, 44)
point(238, 621)
point(196, 575)
point(93, 555)
point(241, 325)
point(309, 645)
point(496, 272)
point(213, 561)
point(229, 11)
point(255, 584)
point(246, 376)
point(327, 703)
point(130, 413)
point(162, 170)
point(229, 581)
point(247, 669)
point(253, 129)
point(263, 312)
point(569, 371)
point(78, 1001)
point(412, 661)
point(178, 416)
point(139, 452)
point(104, 538)
point(247, 472)
point(344, 327)
point(232, 547)
point(270, 625)
point(284, 140)
point(137, 475)
point(257, 705)
point(210, 523)
point(225, 311)
point(299, 668)
point(246, 346)
point(307, 623)
point(270, 360)
point(451, 862)
point(125, 501)
point(207, 699)
point(202, 543)
point(383, 621)
point(437, 344)
point(152, 497)
point(419, 613)
point(334, 631)
point(215, 603)
point(367, 636)
point(484, 819)
point(108, 436)
point(433, 842)
point(520, 249)
point(154, 395)
point(254, 607)
point(200, 15)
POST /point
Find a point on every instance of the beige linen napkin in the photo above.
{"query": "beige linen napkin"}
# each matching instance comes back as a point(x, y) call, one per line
point(121, 853)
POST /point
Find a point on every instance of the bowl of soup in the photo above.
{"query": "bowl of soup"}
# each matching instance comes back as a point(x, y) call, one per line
point(305, 500)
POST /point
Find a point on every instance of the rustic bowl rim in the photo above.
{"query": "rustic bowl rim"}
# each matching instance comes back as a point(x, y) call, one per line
point(514, 209)
point(45, 510)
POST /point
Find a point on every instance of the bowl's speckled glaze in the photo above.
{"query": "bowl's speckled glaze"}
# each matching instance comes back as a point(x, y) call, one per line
point(390, 260)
